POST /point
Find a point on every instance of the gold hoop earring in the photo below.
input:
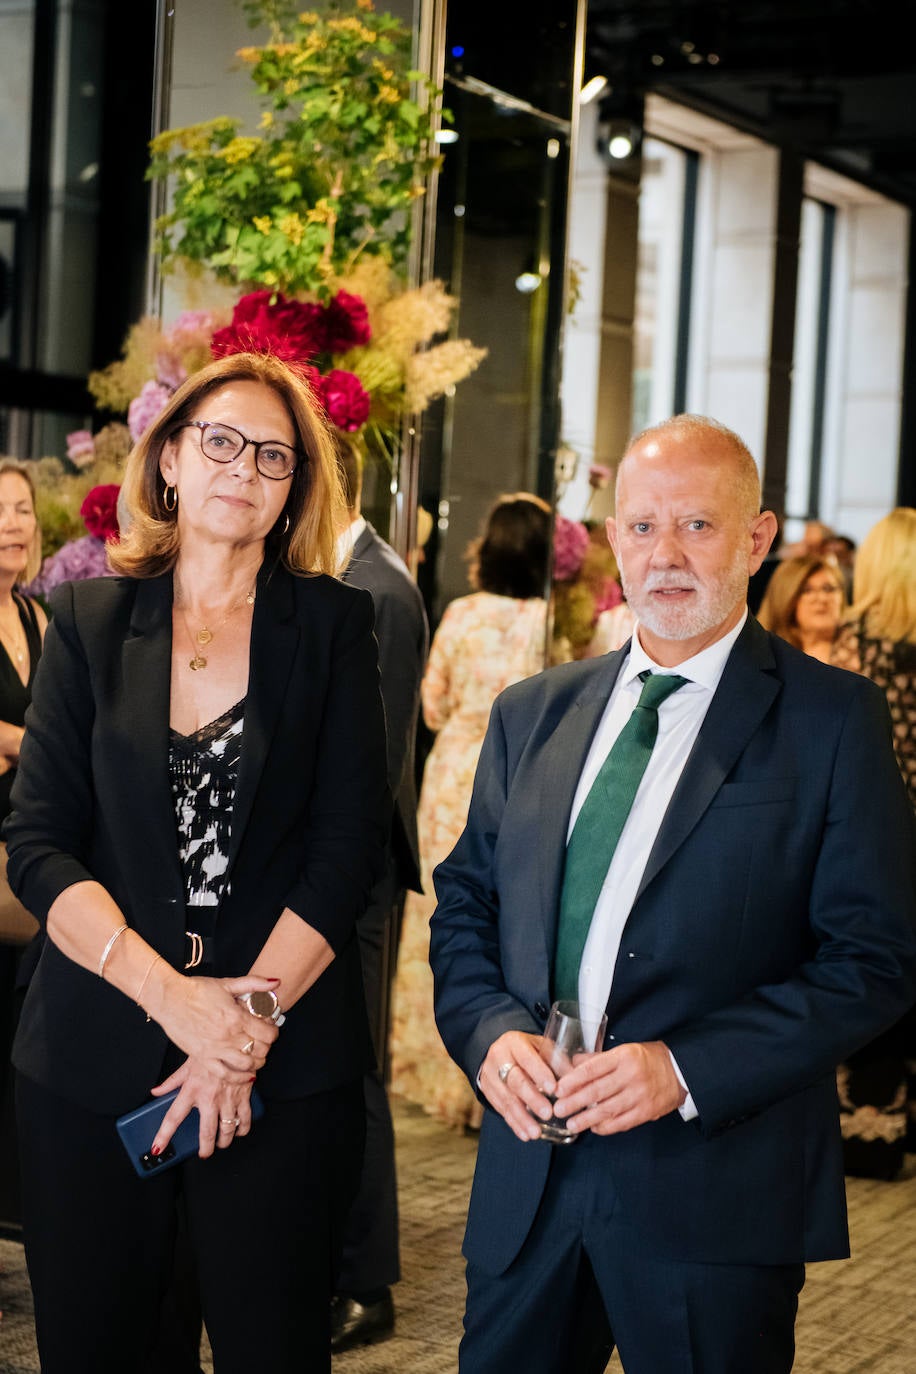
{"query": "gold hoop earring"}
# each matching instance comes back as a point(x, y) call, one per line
point(165, 497)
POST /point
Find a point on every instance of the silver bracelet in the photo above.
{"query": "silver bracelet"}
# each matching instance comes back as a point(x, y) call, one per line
point(108, 948)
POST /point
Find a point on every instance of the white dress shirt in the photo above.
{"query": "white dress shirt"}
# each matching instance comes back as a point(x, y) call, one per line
point(679, 719)
point(346, 540)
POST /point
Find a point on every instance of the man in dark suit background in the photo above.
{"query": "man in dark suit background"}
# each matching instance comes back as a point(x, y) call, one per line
point(754, 923)
point(363, 1309)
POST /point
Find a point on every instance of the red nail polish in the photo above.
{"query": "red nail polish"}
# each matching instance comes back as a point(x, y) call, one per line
point(156, 1150)
point(252, 1080)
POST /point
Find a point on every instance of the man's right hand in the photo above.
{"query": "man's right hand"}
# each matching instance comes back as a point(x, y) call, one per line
point(525, 1082)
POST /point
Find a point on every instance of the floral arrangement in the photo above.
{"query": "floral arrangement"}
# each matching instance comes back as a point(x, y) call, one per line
point(367, 351)
point(309, 221)
point(585, 583)
point(84, 555)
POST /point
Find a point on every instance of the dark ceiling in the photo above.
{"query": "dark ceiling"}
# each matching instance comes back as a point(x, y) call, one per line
point(833, 79)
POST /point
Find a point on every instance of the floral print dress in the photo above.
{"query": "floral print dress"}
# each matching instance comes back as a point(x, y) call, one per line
point(877, 1084)
point(483, 644)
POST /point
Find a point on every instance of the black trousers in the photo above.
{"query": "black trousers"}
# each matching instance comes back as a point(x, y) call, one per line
point(665, 1316)
point(371, 1254)
point(265, 1227)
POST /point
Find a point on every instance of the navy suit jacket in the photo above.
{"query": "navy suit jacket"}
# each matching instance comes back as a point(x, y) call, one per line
point(772, 934)
point(92, 799)
point(402, 632)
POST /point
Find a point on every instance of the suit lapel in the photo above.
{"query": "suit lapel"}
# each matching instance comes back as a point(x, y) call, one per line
point(147, 663)
point(559, 770)
point(274, 641)
point(742, 699)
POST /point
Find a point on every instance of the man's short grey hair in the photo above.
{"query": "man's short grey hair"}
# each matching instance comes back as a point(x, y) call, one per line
point(699, 428)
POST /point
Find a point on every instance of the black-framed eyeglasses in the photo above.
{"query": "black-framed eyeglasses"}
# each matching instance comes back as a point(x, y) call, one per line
point(223, 444)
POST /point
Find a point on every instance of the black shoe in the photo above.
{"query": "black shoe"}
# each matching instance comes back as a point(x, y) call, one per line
point(354, 1324)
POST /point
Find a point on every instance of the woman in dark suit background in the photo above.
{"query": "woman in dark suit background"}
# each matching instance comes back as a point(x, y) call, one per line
point(199, 815)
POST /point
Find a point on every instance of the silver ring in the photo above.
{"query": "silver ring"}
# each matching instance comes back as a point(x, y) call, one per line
point(229, 1121)
point(246, 1049)
point(505, 1070)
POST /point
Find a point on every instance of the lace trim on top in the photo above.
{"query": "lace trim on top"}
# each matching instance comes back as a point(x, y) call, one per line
point(203, 771)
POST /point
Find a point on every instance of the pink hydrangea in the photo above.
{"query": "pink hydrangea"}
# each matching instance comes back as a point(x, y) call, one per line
point(599, 476)
point(74, 561)
point(570, 540)
point(80, 448)
point(144, 408)
point(344, 398)
point(170, 370)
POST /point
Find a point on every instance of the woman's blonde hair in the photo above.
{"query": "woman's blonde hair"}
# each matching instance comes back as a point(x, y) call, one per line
point(884, 578)
point(33, 559)
point(304, 536)
point(780, 600)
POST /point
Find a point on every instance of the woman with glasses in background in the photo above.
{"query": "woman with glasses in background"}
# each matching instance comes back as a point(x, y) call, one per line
point(198, 818)
point(804, 604)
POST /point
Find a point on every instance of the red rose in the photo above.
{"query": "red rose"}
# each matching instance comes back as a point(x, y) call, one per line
point(290, 330)
point(100, 512)
point(346, 323)
point(345, 399)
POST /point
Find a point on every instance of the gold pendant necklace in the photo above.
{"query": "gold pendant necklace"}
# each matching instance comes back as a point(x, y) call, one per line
point(204, 635)
point(17, 644)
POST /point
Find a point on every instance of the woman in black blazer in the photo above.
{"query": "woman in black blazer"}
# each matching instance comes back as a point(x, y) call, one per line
point(198, 818)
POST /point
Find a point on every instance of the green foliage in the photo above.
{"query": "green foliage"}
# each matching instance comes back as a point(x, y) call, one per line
point(343, 150)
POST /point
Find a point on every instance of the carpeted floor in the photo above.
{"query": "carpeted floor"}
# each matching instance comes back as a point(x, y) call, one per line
point(856, 1317)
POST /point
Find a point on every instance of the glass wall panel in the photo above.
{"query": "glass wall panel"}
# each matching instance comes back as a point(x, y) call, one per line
point(658, 282)
point(499, 248)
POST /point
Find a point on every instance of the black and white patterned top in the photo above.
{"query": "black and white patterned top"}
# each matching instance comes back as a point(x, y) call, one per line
point(203, 769)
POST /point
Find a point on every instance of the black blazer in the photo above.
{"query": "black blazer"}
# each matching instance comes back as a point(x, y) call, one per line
point(92, 800)
point(402, 631)
point(772, 934)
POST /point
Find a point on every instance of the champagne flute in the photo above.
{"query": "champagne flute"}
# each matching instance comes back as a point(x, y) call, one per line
point(573, 1029)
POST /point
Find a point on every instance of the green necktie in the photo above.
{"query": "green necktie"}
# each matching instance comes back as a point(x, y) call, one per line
point(599, 824)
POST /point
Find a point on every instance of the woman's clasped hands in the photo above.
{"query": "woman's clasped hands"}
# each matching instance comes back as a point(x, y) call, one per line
point(226, 1046)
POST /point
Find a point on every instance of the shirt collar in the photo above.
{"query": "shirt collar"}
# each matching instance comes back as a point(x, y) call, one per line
point(704, 668)
point(346, 540)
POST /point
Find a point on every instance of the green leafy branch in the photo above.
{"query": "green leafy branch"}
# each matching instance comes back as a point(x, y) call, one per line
point(342, 151)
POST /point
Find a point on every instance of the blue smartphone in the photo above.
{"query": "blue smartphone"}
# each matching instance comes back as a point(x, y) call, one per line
point(138, 1128)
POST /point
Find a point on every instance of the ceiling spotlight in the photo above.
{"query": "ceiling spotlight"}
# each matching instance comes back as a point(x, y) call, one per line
point(591, 89)
point(619, 139)
point(527, 282)
point(446, 136)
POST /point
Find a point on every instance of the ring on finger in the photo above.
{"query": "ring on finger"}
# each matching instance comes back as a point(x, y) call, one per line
point(229, 1121)
point(246, 1049)
point(504, 1070)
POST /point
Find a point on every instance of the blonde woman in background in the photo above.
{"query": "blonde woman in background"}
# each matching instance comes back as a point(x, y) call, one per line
point(877, 1086)
point(22, 628)
point(484, 642)
point(879, 638)
point(804, 604)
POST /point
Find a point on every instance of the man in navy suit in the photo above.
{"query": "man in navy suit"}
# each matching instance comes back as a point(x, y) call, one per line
point(363, 1309)
point(755, 925)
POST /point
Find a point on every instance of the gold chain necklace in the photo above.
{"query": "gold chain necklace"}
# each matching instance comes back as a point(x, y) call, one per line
point(17, 643)
point(204, 635)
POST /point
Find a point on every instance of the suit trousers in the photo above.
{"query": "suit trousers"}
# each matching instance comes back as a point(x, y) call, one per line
point(371, 1253)
point(665, 1316)
point(265, 1220)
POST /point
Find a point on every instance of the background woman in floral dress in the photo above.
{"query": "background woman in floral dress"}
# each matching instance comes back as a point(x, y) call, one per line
point(484, 643)
point(877, 1086)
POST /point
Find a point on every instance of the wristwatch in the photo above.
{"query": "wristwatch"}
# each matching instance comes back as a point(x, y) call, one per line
point(264, 1005)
